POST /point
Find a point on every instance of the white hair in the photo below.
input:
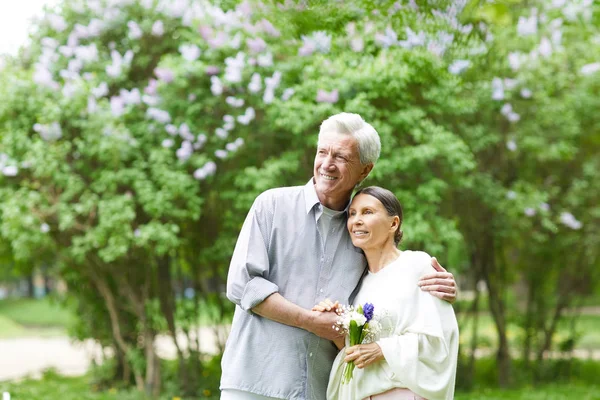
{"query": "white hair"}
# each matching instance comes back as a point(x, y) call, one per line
point(369, 145)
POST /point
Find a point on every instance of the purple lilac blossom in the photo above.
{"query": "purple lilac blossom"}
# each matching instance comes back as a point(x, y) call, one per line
point(327, 97)
point(164, 74)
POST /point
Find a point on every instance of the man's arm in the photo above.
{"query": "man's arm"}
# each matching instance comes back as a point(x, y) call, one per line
point(247, 281)
point(279, 309)
point(440, 284)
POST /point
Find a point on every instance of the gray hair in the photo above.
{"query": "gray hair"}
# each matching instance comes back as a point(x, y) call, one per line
point(369, 145)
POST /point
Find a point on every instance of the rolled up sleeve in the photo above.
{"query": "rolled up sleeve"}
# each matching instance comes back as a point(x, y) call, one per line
point(248, 281)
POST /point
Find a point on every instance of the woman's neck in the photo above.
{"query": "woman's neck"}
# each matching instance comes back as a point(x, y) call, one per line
point(379, 257)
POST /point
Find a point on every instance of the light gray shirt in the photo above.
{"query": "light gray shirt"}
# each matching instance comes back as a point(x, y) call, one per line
point(281, 250)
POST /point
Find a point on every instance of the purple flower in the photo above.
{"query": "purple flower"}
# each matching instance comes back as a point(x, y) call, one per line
point(368, 309)
point(327, 97)
point(164, 74)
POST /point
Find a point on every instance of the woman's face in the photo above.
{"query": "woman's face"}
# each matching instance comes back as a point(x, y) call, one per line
point(369, 224)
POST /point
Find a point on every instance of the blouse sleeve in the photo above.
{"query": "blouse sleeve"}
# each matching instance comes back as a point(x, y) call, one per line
point(423, 354)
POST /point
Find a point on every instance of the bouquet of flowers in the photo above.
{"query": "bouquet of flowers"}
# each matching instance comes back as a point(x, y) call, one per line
point(360, 325)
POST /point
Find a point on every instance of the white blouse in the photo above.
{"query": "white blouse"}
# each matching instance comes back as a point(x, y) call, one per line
point(419, 336)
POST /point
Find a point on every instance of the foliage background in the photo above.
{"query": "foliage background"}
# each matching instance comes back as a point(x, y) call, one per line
point(134, 136)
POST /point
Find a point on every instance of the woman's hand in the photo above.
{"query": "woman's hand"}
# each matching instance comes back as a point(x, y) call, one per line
point(364, 354)
point(326, 305)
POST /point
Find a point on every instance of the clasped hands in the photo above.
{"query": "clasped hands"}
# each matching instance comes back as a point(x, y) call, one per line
point(363, 354)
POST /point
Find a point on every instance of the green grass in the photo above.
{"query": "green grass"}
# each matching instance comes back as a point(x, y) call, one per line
point(31, 317)
point(547, 392)
point(42, 313)
point(587, 325)
point(53, 386)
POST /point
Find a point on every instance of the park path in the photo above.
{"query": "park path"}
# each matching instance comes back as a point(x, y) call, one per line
point(30, 356)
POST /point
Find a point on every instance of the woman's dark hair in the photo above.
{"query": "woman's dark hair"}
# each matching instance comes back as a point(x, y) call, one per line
point(390, 203)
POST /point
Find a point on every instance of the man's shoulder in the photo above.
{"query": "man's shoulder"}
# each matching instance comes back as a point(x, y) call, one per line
point(275, 195)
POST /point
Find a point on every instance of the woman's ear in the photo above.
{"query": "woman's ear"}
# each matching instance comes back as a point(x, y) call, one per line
point(395, 223)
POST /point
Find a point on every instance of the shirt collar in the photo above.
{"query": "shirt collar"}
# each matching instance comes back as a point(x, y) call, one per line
point(311, 198)
point(310, 195)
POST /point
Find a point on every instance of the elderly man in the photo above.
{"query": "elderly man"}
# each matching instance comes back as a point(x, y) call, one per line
point(293, 251)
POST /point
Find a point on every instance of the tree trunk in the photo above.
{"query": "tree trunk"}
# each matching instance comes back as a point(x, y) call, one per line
point(109, 301)
point(168, 307)
point(495, 284)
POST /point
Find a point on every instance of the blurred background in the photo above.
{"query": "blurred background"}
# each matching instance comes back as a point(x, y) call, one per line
point(134, 136)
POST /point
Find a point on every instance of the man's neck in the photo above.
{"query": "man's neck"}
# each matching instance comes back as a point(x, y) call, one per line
point(334, 203)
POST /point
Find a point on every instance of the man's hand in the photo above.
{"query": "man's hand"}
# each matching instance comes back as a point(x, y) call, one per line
point(323, 324)
point(364, 354)
point(440, 284)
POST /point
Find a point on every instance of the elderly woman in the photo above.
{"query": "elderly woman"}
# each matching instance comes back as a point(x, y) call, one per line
point(414, 356)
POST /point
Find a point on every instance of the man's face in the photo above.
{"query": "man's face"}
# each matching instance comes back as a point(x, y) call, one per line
point(337, 167)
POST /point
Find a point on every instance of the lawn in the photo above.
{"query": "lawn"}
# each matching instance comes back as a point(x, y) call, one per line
point(32, 317)
point(53, 386)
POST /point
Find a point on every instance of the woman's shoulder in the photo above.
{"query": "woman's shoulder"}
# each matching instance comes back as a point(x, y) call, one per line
point(419, 261)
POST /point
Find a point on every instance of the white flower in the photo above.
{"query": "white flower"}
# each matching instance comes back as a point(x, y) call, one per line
point(265, 60)
point(86, 53)
point(185, 151)
point(10, 170)
point(459, 66)
point(413, 39)
point(567, 219)
point(158, 28)
point(158, 115)
point(234, 102)
point(189, 52)
point(511, 195)
point(117, 106)
point(233, 70)
point(255, 84)
point(544, 206)
point(247, 117)
point(57, 22)
point(171, 129)
point(216, 87)
point(357, 44)
point(221, 133)
point(92, 105)
point(118, 62)
point(206, 170)
point(497, 89)
point(221, 154)
point(135, 32)
point(589, 69)
point(131, 97)
point(287, 93)
point(167, 143)
point(527, 26)
point(44, 228)
point(530, 212)
point(515, 59)
point(49, 132)
point(511, 145)
point(526, 93)
point(387, 39)
point(358, 317)
point(151, 100)
point(545, 48)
